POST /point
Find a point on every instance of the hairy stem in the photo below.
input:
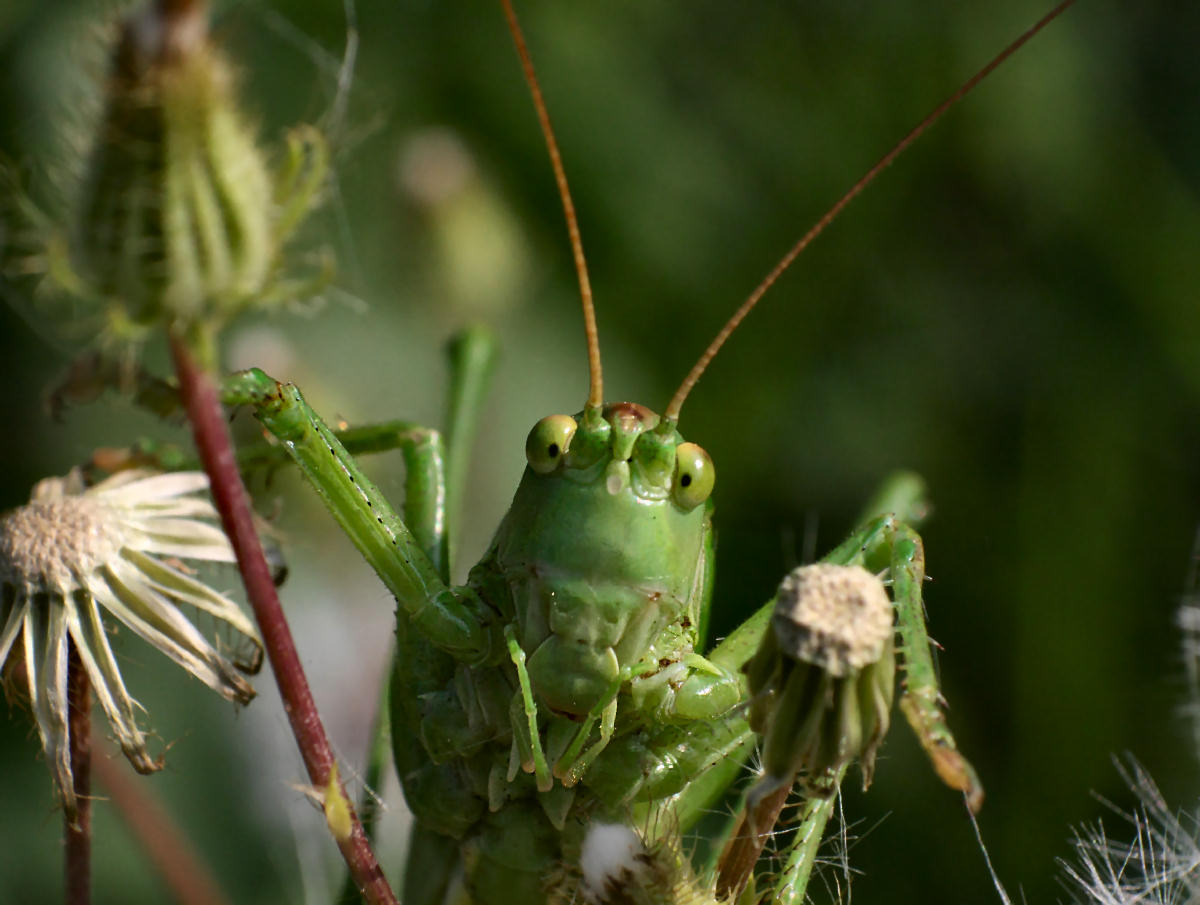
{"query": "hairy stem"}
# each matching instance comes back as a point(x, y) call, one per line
point(207, 418)
point(78, 826)
point(792, 887)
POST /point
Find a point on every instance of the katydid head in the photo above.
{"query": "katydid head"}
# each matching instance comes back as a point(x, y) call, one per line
point(605, 552)
point(635, 448)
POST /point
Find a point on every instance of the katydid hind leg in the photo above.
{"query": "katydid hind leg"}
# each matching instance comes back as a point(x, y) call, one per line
point(922, 702)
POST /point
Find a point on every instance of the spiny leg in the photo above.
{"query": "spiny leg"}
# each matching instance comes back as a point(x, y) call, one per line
point(533, 758)
point(922, 700)
point(411, 556)
point(424, 513)
point(453, 619)
point(432, 472)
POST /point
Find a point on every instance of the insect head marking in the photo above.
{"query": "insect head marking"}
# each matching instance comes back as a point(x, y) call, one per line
point(625, 446)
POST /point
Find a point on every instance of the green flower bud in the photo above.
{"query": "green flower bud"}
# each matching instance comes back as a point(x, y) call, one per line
point(823, 677)
point(175, 220)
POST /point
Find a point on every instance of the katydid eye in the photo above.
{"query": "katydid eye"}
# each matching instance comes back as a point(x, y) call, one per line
point(694, 475)
point(548, 442)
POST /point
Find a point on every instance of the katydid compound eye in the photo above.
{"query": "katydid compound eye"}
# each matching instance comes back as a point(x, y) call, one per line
point(548, 442)
point(694, 475)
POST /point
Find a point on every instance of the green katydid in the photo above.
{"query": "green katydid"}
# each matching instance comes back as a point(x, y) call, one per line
point(564, 685)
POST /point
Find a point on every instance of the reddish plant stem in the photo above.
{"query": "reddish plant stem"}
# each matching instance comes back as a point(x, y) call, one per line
point(77, 827)
point(742, 851)
point(184, 873)
point(207, 417)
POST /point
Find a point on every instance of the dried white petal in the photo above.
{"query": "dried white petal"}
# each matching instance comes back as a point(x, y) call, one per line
point(72, 552)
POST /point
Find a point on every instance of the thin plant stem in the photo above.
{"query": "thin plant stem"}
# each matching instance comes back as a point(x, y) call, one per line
point(747, 842)
point(744, 847)
point(77, 826)
point(792, 888)
point(182, 871)
point(207, 418)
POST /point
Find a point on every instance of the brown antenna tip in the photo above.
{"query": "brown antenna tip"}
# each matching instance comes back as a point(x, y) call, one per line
point(672, 411)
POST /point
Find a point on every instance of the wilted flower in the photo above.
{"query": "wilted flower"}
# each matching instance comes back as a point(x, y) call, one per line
point(71, 552)
point(823, 677)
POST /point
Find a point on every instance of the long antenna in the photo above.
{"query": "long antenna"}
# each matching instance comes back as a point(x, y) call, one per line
point(596, 379)
point(671, 414)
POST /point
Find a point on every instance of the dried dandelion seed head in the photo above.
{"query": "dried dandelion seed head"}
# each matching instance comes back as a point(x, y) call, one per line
point(73, 551)
point(836, 617)
point(823, 677)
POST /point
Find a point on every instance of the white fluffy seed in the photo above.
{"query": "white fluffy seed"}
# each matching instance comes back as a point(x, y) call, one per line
point(612, 854)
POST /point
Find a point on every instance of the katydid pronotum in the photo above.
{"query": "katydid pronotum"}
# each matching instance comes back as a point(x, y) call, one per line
point(568, 686)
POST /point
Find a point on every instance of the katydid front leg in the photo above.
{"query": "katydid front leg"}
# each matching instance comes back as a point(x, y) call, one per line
point(454, 619)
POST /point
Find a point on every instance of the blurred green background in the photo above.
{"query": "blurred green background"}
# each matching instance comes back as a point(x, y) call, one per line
point(1012, 311)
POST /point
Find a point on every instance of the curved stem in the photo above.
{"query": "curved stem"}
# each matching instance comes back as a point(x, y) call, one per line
point(207, 418)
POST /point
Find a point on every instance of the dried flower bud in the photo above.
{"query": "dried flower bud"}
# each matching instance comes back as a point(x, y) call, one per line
point(175, 219)
point(823, 677)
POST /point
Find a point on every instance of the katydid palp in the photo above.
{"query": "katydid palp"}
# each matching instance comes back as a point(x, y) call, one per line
point(563, 685)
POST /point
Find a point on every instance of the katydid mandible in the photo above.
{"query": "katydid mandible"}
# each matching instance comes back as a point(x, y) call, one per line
point(563, 687)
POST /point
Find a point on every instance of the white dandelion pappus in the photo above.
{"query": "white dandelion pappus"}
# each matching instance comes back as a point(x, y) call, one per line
point(1159, 866)
point(74, 550)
